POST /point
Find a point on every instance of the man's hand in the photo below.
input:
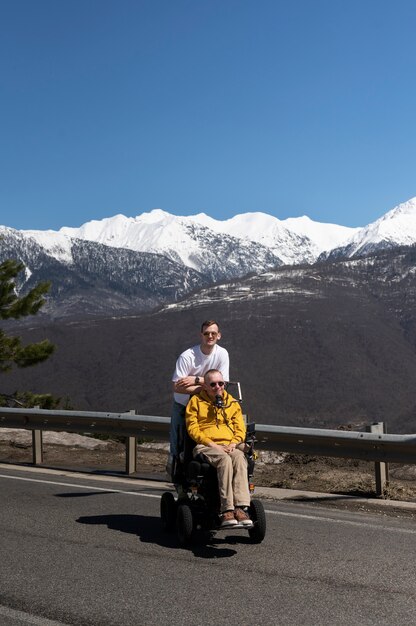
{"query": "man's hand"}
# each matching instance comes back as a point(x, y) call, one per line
point(229, 448)
point(216, 446)
point(187, 381)
point(186, 385)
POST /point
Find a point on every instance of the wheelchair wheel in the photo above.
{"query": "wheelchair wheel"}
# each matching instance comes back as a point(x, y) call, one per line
point(184, 524)
point(168, 511)
point(257, 514)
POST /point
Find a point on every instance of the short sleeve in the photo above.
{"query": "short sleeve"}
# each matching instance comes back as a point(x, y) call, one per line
point(182, 368)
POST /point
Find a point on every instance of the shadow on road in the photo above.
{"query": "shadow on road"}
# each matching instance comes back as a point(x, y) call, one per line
point(149, 530)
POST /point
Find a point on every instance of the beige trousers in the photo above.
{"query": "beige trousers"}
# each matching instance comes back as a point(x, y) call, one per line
point(232, 476)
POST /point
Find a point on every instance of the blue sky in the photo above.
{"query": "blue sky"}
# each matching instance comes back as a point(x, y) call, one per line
point(290, 107)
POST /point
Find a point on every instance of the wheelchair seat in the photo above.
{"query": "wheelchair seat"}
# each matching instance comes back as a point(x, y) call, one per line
point(195, 467)
point(199, 468)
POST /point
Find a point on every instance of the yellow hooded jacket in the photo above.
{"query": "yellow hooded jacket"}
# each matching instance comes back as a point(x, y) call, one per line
point(206, 423)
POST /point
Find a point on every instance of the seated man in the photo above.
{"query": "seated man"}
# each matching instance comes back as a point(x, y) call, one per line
point(188, 377)
point(215, 422)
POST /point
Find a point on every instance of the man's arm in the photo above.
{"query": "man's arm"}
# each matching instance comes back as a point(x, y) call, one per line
point(188, 385)
point(183, 381)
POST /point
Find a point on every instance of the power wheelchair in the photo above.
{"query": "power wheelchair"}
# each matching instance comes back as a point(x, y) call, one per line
point(196, 510)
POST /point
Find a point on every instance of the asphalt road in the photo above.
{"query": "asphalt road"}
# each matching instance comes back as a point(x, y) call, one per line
point(89, 552)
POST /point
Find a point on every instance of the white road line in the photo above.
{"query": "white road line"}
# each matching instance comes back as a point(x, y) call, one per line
point(77, 486)
point(26, 618)
point(315, 518)
point(320, 518)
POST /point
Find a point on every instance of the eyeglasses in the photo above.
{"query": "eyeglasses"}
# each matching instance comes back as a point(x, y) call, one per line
point(208, 333)
point(219, 382)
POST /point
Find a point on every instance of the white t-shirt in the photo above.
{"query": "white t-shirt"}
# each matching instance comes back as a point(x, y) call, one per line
point(193, 362)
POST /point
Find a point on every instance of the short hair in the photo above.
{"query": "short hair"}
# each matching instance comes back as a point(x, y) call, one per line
point(209, 323)
point(213, 371)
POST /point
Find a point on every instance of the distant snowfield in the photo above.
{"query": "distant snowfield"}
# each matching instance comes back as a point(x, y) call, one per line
point(184, 238)
point(55, 243)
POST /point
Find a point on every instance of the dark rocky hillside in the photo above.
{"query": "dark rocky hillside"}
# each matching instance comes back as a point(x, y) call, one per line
point(100, 280)
point(89, 278)
point(324, 345)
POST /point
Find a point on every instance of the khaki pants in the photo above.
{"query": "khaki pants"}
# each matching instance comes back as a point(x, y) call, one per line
point(232, 476)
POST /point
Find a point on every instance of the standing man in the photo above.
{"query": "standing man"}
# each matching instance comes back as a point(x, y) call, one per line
point(215, 422)
point(188, 378)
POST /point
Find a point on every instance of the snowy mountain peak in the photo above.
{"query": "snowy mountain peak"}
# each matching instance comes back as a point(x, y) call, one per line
point(154, 216)
point(254, 240)
point(294, 240)
point(266, 230)
point(395, 228)
point(405, 208)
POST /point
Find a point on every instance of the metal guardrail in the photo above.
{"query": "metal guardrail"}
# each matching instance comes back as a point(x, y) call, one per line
point(370, 446)
point(129, 424)
point(321, 442)
point(122, 424)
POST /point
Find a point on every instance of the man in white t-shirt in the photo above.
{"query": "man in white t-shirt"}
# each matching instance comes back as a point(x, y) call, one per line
point(188, 378)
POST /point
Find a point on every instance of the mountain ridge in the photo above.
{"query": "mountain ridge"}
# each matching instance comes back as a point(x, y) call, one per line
point(292, 240)
point(395, 228)
point(170, 256)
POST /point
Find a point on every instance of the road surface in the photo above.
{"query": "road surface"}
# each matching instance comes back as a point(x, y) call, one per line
point(88, 551)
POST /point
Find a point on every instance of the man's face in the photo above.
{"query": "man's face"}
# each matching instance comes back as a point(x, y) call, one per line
point(214, 384)
point(210, 335)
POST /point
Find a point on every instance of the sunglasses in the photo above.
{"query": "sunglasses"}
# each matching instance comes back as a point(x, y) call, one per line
point(219, 382)
point(207, 333)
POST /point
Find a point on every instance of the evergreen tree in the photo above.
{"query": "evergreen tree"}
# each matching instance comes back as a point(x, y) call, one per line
point(12, 352)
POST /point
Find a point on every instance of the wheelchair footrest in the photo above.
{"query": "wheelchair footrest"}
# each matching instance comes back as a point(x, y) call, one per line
point(234, 527)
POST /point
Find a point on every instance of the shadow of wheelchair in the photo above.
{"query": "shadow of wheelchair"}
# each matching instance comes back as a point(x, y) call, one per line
point(149, 530)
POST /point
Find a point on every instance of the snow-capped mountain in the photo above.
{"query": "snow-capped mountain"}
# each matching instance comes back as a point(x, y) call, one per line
point(396, 228)
point(98, 279)
point(290, 247)
point(184, 239)
point(187, 252)
point(197, 240)
point(294, 240)
point(215, 254)
point(232, 247)
point(324, 236)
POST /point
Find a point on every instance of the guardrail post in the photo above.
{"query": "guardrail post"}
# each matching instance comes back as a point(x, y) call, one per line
point(131, 451)
point(37, 445)
point(381, 469)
